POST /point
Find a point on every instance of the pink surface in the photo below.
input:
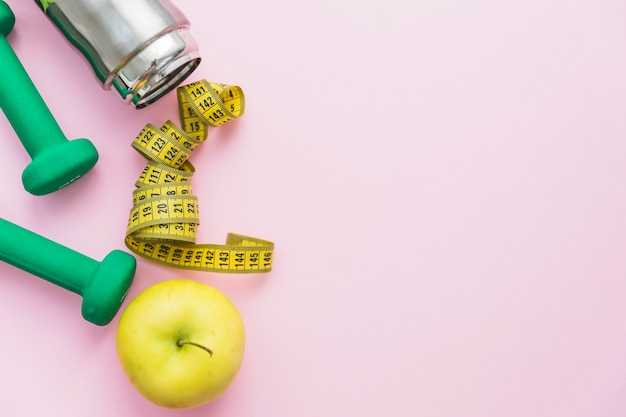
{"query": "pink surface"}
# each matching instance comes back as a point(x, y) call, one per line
point(445, 183)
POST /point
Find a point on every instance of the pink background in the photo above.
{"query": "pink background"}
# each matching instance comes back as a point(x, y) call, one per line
point(445, 183)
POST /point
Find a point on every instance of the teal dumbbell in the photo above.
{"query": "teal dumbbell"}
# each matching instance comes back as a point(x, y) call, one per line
point(56, 161)
point(103, 285)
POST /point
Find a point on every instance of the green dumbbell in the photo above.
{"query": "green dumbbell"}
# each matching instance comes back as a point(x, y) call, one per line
point(56, 161)
point(103, 285)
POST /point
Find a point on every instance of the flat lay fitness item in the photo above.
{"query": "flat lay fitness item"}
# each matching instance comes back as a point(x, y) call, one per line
point(141, 48)
point(164, 216)
point(56, 161)
point(103, 285)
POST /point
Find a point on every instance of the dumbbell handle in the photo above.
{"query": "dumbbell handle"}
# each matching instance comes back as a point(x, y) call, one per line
point(23, 105)
point(44, 258)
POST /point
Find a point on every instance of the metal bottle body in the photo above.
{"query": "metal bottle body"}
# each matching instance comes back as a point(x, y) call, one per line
point(141, 48)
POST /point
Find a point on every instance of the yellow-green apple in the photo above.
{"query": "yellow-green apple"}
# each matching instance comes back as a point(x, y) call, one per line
point(181, 343)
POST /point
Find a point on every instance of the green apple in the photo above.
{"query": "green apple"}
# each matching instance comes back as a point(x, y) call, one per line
point(181, 343)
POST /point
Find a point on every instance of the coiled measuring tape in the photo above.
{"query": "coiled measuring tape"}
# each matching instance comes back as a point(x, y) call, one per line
point(164, 217)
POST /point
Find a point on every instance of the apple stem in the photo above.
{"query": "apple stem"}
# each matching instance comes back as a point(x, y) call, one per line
point(180, 343)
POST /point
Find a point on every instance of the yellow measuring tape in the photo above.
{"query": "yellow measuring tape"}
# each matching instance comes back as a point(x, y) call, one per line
point(164, 217)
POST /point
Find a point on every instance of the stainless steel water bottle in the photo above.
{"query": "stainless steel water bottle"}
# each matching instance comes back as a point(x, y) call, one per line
point(141, 48)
